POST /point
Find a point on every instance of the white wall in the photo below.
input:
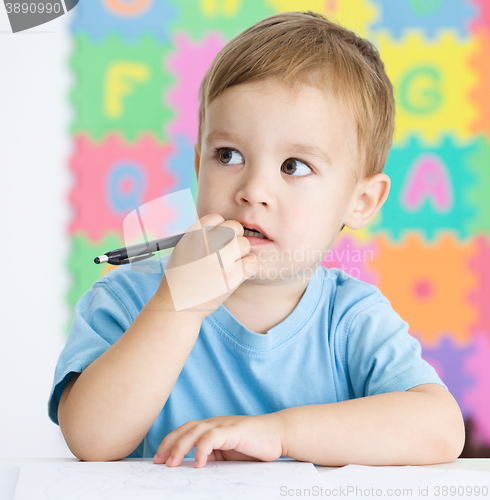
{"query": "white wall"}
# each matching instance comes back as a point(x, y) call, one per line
point(35, 146)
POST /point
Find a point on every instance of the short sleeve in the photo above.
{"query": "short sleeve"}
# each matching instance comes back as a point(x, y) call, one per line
point(100, 319)
point(381, 355)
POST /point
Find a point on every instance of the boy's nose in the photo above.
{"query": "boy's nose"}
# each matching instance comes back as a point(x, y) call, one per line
point(256, 187)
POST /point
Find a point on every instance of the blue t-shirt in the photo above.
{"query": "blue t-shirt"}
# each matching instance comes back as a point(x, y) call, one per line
point(342, 341)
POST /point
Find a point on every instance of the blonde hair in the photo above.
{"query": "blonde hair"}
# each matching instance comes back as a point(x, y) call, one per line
point(305, 48)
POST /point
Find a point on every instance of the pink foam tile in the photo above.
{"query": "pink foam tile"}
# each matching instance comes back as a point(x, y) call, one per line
point(112, 178)
point(482, 20)
point(480, 296)
point(353, 257)
point(189, 63)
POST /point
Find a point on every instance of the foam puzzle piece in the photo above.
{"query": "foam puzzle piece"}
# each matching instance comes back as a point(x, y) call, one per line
point(120, 87)
point(476, 397)
point(432, 81)
point(428, 16)
point(83, 270)
point(449, 361)
point(479, 297)
point(350, 256)
point(429, 189)
point(113, 178)
point(356, 15)
point(419, 279)
point(100, 18)
point(477, 166)
point(183, 96)
point(181, 165)
point(480, 95)
point(482, 20)
point(228, 18)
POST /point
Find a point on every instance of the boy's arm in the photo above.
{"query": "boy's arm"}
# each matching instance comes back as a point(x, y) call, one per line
point(421, 426)
point(418, 427)
point(106, 411)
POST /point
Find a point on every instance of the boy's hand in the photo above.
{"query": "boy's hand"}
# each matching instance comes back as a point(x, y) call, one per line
point(237, 264)
point(256, 437)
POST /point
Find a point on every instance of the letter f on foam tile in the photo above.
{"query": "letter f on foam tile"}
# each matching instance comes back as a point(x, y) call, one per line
point(121, 79)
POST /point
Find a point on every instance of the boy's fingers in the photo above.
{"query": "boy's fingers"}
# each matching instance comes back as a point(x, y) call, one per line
point(214, 439)
point(219, 237)
point(244, 245)
point(185, 443)
point(163, 451)
point(233, 224)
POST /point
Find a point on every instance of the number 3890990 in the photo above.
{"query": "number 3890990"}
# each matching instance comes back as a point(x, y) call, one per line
point(33, 8)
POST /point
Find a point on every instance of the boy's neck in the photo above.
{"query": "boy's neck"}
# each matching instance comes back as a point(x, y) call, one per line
point(261, 307)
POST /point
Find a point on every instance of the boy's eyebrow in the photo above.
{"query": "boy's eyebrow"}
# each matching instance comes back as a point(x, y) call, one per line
point(221, 136)
point(309, 150)
point(291, 148)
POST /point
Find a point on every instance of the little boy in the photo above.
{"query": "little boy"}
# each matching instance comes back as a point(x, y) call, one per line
point(296, 120)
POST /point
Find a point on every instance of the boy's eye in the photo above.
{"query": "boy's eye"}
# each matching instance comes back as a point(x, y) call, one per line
point(290, 166)
point(224, 155)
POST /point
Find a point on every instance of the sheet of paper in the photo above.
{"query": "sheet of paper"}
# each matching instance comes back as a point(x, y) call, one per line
point(355, 481)
point(8, 480)
point(145, 480)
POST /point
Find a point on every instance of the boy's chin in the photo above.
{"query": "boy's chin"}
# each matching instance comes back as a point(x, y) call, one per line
point(271, 275)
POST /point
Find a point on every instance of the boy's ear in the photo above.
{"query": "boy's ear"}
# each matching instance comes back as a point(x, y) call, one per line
point(370, 195)
point(197, 158)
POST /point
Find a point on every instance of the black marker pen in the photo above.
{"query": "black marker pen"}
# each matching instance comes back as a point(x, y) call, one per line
point(138, 252)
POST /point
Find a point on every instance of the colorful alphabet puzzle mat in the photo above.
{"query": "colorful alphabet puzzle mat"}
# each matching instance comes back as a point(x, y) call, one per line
point(137, 66)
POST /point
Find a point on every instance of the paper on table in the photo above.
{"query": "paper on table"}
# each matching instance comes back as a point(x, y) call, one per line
point(8, 479)
point(406, 481)
point(129, 480)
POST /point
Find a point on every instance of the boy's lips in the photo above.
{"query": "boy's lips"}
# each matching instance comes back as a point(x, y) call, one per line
point(255, 227)
point(256, 241)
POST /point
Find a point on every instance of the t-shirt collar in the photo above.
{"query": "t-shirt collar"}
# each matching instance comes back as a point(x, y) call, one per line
point(288, 328)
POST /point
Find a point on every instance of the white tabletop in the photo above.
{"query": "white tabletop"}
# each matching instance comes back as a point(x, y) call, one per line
point(10, 467)
point(478, 464)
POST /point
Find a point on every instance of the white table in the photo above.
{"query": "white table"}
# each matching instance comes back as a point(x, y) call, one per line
point(476, 464)
point(481, 464)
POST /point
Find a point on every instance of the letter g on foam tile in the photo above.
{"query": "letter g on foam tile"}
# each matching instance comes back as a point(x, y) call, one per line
point(433, 80)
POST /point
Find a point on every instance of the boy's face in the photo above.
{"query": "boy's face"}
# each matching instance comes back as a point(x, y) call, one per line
point(253, 165)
